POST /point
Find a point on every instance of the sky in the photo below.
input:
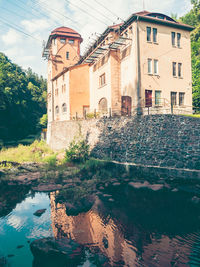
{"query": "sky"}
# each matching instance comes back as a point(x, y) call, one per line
point(26, 24)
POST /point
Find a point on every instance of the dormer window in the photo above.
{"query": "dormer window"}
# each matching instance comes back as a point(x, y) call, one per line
point(71, 41)
point(62, 40)
point(67, 55)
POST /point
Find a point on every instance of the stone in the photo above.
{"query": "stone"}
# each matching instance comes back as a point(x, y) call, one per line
point(195, 200)
point(10, 255)
point(116, 184)
point(47, 187)
point(38, 213)
point(83, 205)
point(20, 246)
point(3, 262)
point(50, 251)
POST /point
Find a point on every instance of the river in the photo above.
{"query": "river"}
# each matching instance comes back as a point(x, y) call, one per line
point(139, 227)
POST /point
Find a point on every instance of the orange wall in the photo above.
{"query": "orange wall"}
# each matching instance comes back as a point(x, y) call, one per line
point(79, 89)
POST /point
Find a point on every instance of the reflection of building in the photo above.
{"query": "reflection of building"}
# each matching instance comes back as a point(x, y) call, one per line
point(126, 242)
point(90, 228)
point(142, 63)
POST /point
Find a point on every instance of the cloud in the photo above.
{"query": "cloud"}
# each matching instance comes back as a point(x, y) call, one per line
point(11, 37)
point(55, 13)
point(35, 25)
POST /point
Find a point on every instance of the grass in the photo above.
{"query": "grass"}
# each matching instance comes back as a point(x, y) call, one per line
point(192, 115)
point(38, 151)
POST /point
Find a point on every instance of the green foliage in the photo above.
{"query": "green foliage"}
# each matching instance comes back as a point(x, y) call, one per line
point(51, 160)
point(78, 150)
point(44, 121)
point(36, 152)
point(193, 18)
point(22, 100)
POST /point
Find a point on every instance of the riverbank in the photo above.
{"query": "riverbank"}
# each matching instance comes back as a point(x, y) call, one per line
point(80, 184)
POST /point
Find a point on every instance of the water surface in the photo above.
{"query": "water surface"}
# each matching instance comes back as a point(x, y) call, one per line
point(138, 228)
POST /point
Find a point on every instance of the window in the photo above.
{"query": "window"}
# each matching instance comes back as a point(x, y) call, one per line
point(102, 80)
point(71, 41)
point(57, 109)
point(64, 107)
point(173, 38)
point(178, 40)
point(149, 65)
point(181, 99)
point(56, 92)
point(173, 98)
point(63, 40)
point(179, 70)
point(154, 35)
point(67, 55)
point(148, 98)
point(155, 66)
point(157, 98)
point(64, 88)
point(174, 69)
point(148, 34)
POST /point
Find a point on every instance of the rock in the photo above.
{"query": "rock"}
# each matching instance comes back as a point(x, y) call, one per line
point(56, 252)
point(83, 205)
point(38, 213)
point(101, 188)
point(175, 190)
point(3, 262)
point(195, 200)
point(111, 199)
point(116, 184)
point(154, 187)
point(20, 246)
point(10, 255)
point(47, 187)
point(105, 242)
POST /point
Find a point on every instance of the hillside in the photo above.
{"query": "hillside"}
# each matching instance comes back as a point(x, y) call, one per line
point(22, 100)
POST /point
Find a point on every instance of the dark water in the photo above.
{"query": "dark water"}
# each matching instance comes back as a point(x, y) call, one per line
point(141, 227)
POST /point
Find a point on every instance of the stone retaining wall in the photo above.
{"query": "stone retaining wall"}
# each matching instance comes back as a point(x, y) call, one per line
point(154, 140)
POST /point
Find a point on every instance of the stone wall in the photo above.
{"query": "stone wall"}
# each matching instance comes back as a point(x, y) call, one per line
point(154, 140)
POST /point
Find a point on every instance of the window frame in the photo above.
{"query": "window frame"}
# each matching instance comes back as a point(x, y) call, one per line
point(174, 69)
point(173, 98)
point(180, 70)
point(173, 39)
point(102, 79)
point(64, 108)
point(149, 65)
point(158, 100)
point(63, 40)
point(148, 34)
point(178, 39)
point(71, 41)
point(181, 99)
point(155, 35)
point(155, 66)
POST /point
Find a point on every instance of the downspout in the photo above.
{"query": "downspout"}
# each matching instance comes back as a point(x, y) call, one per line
point(139, 107)
point(52, 102)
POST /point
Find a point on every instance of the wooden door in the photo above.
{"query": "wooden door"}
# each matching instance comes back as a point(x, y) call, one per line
point(148, 98)
point(126, 105)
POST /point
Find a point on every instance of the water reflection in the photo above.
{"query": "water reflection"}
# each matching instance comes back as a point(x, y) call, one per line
point(132, 234)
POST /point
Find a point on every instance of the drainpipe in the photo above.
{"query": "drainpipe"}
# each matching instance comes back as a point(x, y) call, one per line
point(52, 102)
point(139, 107)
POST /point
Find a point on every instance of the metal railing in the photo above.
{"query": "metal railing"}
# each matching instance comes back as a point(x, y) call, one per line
point(152, 107)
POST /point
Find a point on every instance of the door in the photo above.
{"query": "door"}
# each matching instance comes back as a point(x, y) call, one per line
point(126, 105)
point(148, 98)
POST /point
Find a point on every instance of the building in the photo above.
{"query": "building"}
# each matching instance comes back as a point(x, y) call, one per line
point(141, 65)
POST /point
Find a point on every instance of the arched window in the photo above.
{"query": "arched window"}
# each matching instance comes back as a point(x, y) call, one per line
point(103, 105)
point(64, 107)
point(57, 109)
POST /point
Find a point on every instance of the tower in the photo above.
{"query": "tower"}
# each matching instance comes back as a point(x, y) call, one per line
point(63, 48)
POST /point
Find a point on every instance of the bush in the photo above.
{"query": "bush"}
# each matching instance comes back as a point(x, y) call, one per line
point(51, 160)
point(78, 151)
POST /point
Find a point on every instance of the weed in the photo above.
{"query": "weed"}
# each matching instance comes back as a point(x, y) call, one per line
point(78, 150)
